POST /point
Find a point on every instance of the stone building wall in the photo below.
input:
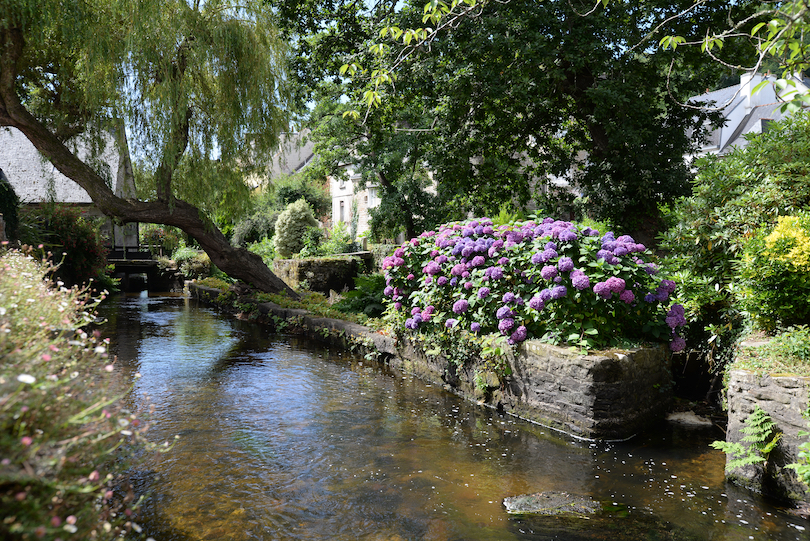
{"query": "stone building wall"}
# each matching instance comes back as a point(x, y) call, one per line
point(785, 399)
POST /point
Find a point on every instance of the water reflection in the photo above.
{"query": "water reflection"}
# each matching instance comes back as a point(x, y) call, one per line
point(284, 440)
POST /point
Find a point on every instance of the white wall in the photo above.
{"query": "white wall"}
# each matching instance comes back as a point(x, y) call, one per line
point(35, 179)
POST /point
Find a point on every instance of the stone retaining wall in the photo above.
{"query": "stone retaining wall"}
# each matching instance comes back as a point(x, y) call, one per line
point(785, 399)
point(610, 396)
point(322, 274)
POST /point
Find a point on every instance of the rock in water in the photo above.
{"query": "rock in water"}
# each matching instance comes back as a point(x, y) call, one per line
point(552, 504)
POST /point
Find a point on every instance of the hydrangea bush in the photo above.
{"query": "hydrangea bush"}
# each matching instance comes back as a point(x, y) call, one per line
point(553, 280)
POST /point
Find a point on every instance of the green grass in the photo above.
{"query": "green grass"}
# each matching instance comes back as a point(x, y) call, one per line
point(786, 353)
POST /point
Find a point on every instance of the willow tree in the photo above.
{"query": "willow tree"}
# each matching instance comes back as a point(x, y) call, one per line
point(199, 85)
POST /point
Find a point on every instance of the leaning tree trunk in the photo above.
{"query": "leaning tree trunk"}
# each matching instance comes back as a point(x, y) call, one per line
point(236, 262)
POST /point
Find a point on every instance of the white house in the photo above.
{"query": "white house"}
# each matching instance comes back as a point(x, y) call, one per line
point(351, 195)
point(745, 112)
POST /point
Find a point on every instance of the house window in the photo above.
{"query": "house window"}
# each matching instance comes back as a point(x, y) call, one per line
point(342, 212)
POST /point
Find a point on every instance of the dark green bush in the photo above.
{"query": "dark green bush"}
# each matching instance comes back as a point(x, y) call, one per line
point(9, 204)
point(366, 297)
point(74, 243)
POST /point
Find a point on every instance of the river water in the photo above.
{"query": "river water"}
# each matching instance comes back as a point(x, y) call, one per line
point(281, 439)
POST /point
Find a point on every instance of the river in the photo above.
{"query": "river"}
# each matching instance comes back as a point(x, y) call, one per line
point(282, 439)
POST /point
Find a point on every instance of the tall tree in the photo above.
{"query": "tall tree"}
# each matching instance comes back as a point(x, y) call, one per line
point(525, 91)
point(201, 86)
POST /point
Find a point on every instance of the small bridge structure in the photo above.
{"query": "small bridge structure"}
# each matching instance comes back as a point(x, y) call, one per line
point(137, 270)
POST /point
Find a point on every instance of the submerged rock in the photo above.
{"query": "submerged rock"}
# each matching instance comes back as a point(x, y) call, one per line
point(552, 504)
point(689, 418)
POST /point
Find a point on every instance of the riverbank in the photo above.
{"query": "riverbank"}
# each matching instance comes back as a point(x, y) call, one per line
point(611, 396)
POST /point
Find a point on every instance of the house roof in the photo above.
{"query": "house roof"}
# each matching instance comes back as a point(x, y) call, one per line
point(744, 112)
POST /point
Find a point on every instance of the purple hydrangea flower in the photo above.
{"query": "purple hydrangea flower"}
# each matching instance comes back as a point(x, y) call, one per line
point(508, 297)
point(548, 272)
point(567, 236)
point(461, 306)
point(616, 284)
point(678, 344)
point(429, 309)
point(565, 264)
point(431, 268)
point(442, 280)
point(537, 258)
point(558, 292)
point(669, 286)
point(415, 310)
point(675, 317)
point(477, 261)
point(602, 289)
point(545, 295)
point(549, 254)
point(497, 273)
point(505, 325)
point(627, 296)
point(537, 303)
point(580, 280)
point(475, 326)
point(458, 269)
point(410, 277)
point(520, 334)
point(450, 323)
point(504, 312)
point(483, 292)
point(397, 306)
point(503, 261)
point(411, 324)
point(399, 252)
point(388, 291)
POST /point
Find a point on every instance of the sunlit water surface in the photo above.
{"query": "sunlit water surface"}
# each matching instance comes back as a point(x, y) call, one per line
point(281, 439)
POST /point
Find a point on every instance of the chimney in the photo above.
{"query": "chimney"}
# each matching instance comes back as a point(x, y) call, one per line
point(748, 81)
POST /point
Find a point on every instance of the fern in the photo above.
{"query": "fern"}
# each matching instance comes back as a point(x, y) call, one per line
point(761, 436)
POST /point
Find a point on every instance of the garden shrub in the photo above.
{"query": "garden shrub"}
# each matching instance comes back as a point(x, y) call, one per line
point(339, 241)
point(291, 227)
point(775, 274)
point(9, 205)
point(75, 243)
point(367, 297)
point(65, 437)
point(552, 280)
point(266, 249)
point(162, 240)
point(732, 196)
point(193, 264)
